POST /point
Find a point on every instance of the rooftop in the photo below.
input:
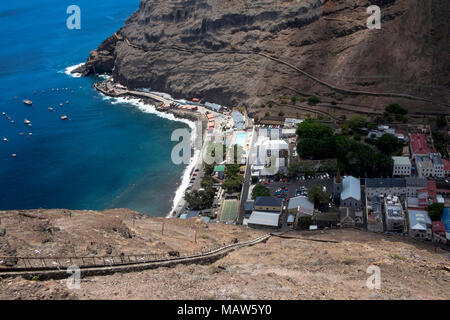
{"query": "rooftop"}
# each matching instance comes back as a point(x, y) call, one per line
point(264, 218)
point(351, 188)
point(302, 202)
point(418, 219)
point(401, 161)
point(446, 164)
point(385, 183)
point(419, 144)
point(268, 201)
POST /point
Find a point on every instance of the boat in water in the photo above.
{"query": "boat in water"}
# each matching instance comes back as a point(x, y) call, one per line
point(64, 117)
point(28, 102)
point(26, 121)
point(51, 109)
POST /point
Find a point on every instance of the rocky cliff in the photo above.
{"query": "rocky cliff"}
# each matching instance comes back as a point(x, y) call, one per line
point(221, 51)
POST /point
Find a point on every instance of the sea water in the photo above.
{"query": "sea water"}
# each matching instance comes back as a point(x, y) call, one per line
point(109, 153)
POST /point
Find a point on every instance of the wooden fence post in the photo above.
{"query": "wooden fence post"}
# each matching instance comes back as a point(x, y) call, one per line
point(195, 236)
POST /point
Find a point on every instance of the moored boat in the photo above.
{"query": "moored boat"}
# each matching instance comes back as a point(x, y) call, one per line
point(64, 117)
point(28, 102)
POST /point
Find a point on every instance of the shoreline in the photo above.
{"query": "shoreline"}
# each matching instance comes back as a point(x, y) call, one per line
point(174, 115)
point(151, 109)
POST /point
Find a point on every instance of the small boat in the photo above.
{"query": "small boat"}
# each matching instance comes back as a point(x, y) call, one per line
point(30, 125)
point(63, 117)
point(3, 113)
point(28, 102)
point(20, 133)
point(51, 109)
point(5, 139)
point(14, 155)
point(30, 134)
point(26, 121)
point(67, 102)
point(12, 121)
point(60, 104)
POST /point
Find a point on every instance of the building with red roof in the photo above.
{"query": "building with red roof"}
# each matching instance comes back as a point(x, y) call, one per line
point(446, 167)
point(418, 144)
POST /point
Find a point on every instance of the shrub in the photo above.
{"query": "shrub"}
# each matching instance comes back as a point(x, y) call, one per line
point(313, 100)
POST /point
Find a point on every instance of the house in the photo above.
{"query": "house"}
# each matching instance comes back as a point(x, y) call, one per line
point(238, 119)
point(430, 166)
point(374, 214)
point(248, 208)
point(327, 219)
point(446, 164)
point(292, 122)
point(300, 206)
point(393, 214)
point(445, 218)
point(394, 186)
point(269, 156)
point(266, 203)
point(419, 224)
point(402, 166)
point(351, 192)
point(264, 219)
point(439, 233)
point(288, 133)
point(418, 145)
point(213, 106)
point(381, 186)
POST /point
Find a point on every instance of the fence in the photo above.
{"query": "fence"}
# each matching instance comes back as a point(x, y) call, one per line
point(12, 263)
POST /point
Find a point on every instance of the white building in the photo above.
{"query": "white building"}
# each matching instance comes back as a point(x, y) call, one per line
point(394, 214)
point(269, 156)
point(402, 166)
point(430, 166)
point(419, 224)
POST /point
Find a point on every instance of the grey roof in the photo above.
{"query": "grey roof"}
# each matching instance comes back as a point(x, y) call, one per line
point(249, 205)
point(302, 202)
point(351, 188)
point(416, 182)
point(265, 218)
point(192, 214)
point(238, 119)
point(268, 201)
point(213, 106)
point(385, 183)
point(437, 158)
point(418, 219)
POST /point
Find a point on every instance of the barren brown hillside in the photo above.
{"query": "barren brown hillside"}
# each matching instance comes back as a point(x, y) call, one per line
point(296, 268)
point(213, 50)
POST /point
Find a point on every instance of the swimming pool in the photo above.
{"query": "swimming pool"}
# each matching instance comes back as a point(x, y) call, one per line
point(240, 138)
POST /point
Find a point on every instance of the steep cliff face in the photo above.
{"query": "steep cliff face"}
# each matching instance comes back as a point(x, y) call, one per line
point(209, 49)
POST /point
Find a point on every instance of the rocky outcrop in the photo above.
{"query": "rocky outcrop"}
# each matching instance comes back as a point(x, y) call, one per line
point(208, 49)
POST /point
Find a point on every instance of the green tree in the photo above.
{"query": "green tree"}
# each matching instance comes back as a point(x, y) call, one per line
point(294, 99)
point(318, 196)
point(356, 122)
point(281, 113)
point(233, 184)
point(313, 100)
point(260, 190)
point(388, 144)
point(199, 200)
point(435, 211)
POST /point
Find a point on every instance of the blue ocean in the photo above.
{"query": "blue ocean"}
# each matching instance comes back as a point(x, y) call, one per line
point(106, 155)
